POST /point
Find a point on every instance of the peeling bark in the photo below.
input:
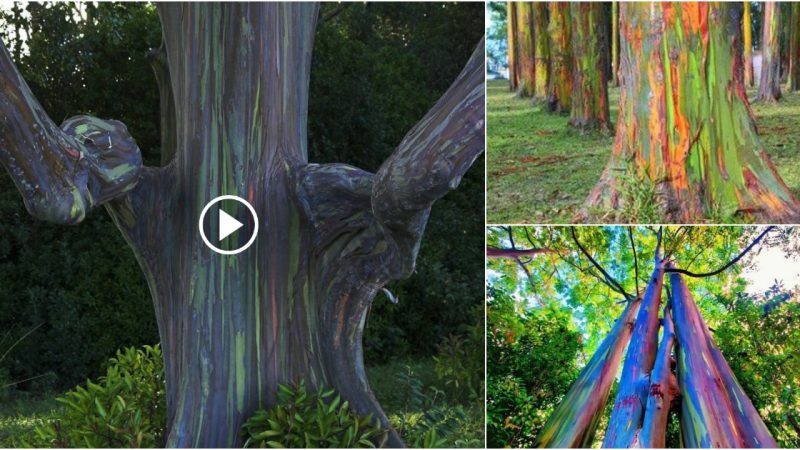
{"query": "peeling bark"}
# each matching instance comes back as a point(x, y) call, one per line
point(574, 421)
point(663, 390)
point(294, 304)
point(715, 412)
point(559, 89)
point(769, 89)
point(629, 406)
point(685, 124)
point(589, 74)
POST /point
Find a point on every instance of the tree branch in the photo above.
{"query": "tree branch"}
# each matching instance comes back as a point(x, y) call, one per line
point(429, 162)
point(494, 252)
point(334, 12)
point(62, 173)
point(608, 277)
point(635, 260)
point(730, 263)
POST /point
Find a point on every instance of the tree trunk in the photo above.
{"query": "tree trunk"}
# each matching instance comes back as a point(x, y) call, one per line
point(293, 306)
point(629, 406)
point(513, 78)
point(541, 51)
point(526, 49)
point(615, 43)
point(559, 89)
point(715, 410)
point(769, 89)
point(747, 33)
point(685, 125)
point(794, 48)
point(574, 421)
point(663, 389)
point(590, 85)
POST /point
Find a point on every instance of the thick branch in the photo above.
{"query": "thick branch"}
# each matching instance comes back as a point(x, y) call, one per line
point(168, 127)
point(663, 389)
point(730, 263)
point(64, 172)
point(430, 162)
point(494, 252)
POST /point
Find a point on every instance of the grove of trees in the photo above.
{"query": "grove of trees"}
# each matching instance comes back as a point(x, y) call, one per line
point(706, 338)
point(685, 127)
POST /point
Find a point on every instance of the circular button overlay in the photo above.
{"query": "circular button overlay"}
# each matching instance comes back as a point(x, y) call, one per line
point(227, 224)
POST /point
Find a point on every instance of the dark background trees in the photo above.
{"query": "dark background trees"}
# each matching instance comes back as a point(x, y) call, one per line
point(377, 68)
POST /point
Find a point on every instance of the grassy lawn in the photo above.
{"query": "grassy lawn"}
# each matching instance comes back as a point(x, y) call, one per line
point(414, 398)
point(540, 170)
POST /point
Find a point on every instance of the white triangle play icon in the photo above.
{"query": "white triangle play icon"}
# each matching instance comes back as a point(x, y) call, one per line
point(227, 224)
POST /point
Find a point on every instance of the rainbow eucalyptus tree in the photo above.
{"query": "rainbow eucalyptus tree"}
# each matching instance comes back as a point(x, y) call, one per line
point(794, 47)
point(684, 129)
point(293, 306)
point(559, 88)
point(541, 51)
point(747, 36)
point(511, 32)
point(589, 71)
point(701, 388)
point(614, 43)
point(769, 88)
point(525, 54)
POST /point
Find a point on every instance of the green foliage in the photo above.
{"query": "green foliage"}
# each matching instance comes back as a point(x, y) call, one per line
point(531, 363)
point(125, 408)
point(304, 419)
point(460, 362)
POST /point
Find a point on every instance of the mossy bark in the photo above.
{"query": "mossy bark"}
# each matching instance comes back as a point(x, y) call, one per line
point(769, 89)
point(685, 125)
point(559, 89)
point(292, 306)
point(589, 74)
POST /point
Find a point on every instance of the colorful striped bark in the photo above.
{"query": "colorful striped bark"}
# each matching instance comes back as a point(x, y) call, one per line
point(769, 89)
point(663, 389)
point(615, 43)
point(715, 412)
point(794, 48)
point(628, 413)
point(685, 123)
point(526, 49)
point(541, 51)
point(747, 35)
point(559, 89)
point(513, 76)
point(574, 421)
point(589, 74)
point(292, 306)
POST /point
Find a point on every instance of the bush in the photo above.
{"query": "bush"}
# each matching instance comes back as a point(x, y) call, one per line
point(125, 408)
point(460, 362)
point(310, 420)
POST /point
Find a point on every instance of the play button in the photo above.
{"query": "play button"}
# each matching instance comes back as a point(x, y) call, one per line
point(235, 220)
point(227, 225)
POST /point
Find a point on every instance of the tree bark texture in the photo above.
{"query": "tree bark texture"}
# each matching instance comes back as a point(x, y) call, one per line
point(614, 43)
point(293, 306)
point(589, 74)
point(715, 412)
point(769, 88)
point(663, 390)
point(685, 124)
point(629, 406)
point(526, 49)
point(574, 421)
point(747, 36)
point(794, 48)
point(513, 77)
point(541, 51)
point(559, 89)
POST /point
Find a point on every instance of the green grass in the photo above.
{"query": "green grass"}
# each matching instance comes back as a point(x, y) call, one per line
point(541, 171)
point(462, 418)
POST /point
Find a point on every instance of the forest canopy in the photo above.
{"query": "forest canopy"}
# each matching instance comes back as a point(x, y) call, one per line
point(549, 311)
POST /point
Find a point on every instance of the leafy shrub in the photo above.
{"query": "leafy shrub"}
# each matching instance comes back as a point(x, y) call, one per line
point(460, 362)
point(310, 420)
point(125, 408)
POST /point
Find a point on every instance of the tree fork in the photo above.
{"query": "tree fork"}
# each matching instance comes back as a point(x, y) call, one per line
point(293, 306)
